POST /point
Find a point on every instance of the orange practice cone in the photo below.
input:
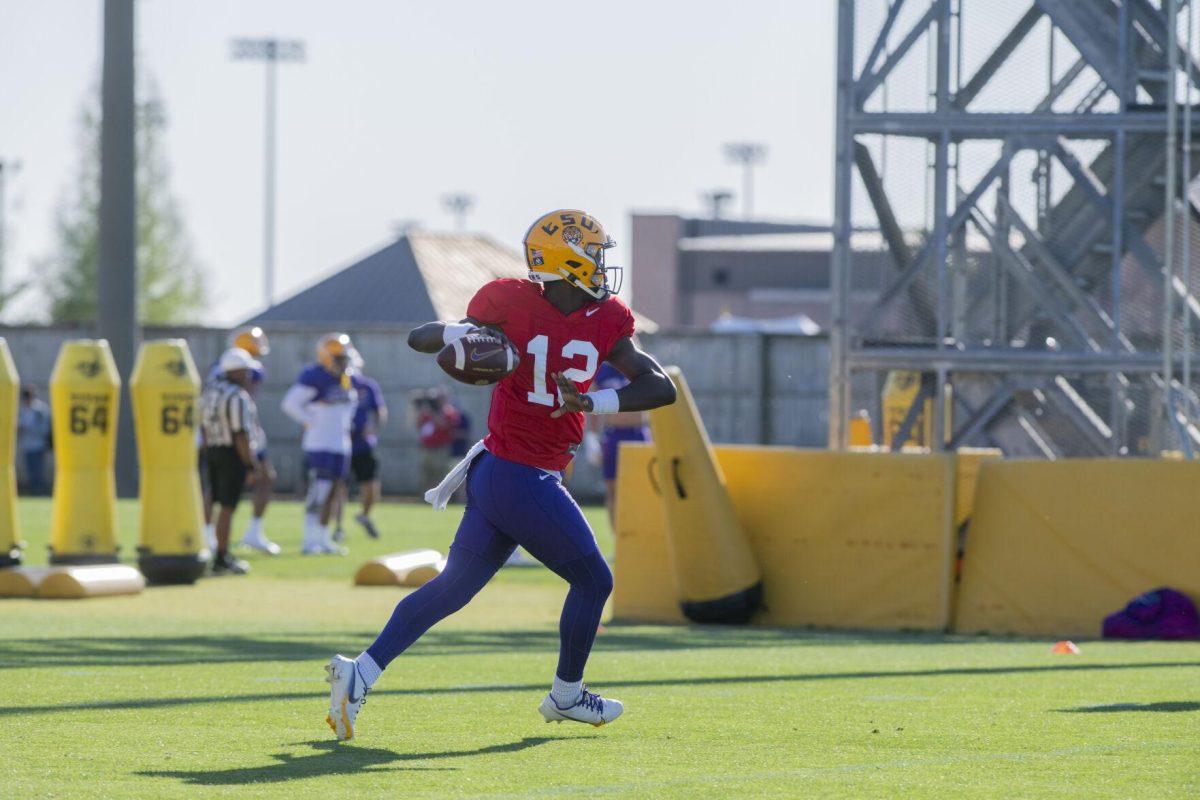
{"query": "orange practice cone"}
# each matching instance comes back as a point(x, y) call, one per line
point(1065, 648)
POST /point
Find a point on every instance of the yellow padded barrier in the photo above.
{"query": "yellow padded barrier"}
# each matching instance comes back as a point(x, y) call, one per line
point(644, 589)
point(74, 583)
point(21, 581)
point(851, 540)
point(1056, 546)
point(967, 461)
point(413, 568)
point(856, 540)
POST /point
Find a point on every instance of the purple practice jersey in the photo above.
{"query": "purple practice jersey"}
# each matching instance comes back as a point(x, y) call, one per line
point(364, 434)
point(328, 403)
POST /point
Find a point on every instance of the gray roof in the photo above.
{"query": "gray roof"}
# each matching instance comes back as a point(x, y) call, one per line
point(419, 277)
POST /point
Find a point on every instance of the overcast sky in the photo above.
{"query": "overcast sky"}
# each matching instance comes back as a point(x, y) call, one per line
point(610, 106)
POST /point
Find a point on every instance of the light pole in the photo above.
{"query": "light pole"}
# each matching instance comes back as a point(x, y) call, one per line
point(459, 205)
point(716, 200)
point(748, 154)
point(116, 288)
point(7, 168)
point(270, 51)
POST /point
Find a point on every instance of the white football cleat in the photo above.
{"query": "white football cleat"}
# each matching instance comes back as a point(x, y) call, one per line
point(257, 540)
point(331, 548)
point(590, 708)
point(347, 693)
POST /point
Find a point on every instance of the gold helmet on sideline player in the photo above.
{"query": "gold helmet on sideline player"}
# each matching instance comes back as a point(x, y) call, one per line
point(569, 244)
point(253, 340)
point(334, 350)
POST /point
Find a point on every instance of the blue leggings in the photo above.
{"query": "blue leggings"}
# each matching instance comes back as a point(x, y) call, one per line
point(510, 504)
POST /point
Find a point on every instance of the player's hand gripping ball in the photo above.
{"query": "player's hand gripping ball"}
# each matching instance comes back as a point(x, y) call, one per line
point(573, 402)
point(479, 358)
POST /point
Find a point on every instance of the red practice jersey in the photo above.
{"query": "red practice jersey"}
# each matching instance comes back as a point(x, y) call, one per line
point(519, 425)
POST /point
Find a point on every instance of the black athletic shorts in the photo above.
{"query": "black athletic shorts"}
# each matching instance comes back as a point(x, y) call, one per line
point(364, 466)
point(226, 475)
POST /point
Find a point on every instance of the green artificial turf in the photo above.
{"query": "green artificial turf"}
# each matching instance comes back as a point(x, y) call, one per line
point(216, 690)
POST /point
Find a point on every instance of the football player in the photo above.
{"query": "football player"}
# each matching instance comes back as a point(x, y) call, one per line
point(370, 414)
point(254, 341)
point(564, 322)
point(323, 401)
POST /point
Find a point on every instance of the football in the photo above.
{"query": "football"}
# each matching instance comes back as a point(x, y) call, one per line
point(478, 359)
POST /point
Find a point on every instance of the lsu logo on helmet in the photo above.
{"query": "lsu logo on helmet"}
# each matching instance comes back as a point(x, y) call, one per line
point(253, 340)
point(569, 245)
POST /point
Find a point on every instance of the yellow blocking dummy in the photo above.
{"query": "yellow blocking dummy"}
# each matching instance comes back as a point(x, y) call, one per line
point(644, 589)
point(84, 390)
point(1055, 546)
point(716, 574)
point(414, 568)
point(10, 387)
point(165, 387)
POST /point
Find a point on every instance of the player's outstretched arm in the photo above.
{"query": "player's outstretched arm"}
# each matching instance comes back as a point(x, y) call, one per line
point(649, 387)
point(433, 336)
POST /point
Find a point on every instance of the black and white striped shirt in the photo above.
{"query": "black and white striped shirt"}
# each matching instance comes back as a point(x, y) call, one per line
point(228, 409)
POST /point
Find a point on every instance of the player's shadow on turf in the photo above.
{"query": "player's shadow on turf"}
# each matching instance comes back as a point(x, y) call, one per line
point(144, 703)
point(335, 759)
point(1168, 706)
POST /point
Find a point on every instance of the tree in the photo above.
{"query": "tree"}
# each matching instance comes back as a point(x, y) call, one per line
point(170, 283)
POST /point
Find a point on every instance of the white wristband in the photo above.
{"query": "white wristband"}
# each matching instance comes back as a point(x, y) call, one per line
point(604, 401)
point(453, 331)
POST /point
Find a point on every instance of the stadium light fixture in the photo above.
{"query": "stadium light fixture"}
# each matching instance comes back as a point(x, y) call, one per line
point(459, 205)
point(749, 155)
point(716, 200)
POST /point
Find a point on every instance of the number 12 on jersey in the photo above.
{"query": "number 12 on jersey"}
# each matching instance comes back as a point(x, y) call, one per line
point(539, 348)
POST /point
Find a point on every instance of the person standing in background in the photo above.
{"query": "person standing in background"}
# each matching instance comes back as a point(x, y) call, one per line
point(33, 439)
point(229, 423)
point(624, 426)
point(322, 401)
point(460, 444)
point(254, 341)
point(436, 424)
point(370, 415)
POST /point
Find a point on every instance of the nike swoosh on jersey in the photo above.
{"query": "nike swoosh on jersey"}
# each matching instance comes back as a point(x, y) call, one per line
point(591, 311)
point(544, 476)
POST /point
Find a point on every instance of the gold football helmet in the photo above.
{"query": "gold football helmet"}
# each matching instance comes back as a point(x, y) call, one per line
point(252, 340)
point(569, 245)
point(334, 351)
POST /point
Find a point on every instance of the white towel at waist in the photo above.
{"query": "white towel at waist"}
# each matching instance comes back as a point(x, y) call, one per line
point(440, 495)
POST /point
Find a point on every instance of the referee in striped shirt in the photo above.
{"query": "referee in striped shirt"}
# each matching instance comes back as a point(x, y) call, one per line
point(230, 427)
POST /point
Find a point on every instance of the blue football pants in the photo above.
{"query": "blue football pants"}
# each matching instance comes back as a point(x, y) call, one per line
point(510, 504)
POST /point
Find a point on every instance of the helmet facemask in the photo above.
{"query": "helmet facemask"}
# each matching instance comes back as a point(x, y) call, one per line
point(601, 287)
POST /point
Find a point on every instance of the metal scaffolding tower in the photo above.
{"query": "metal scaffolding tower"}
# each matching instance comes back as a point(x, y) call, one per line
point(1028, 163)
